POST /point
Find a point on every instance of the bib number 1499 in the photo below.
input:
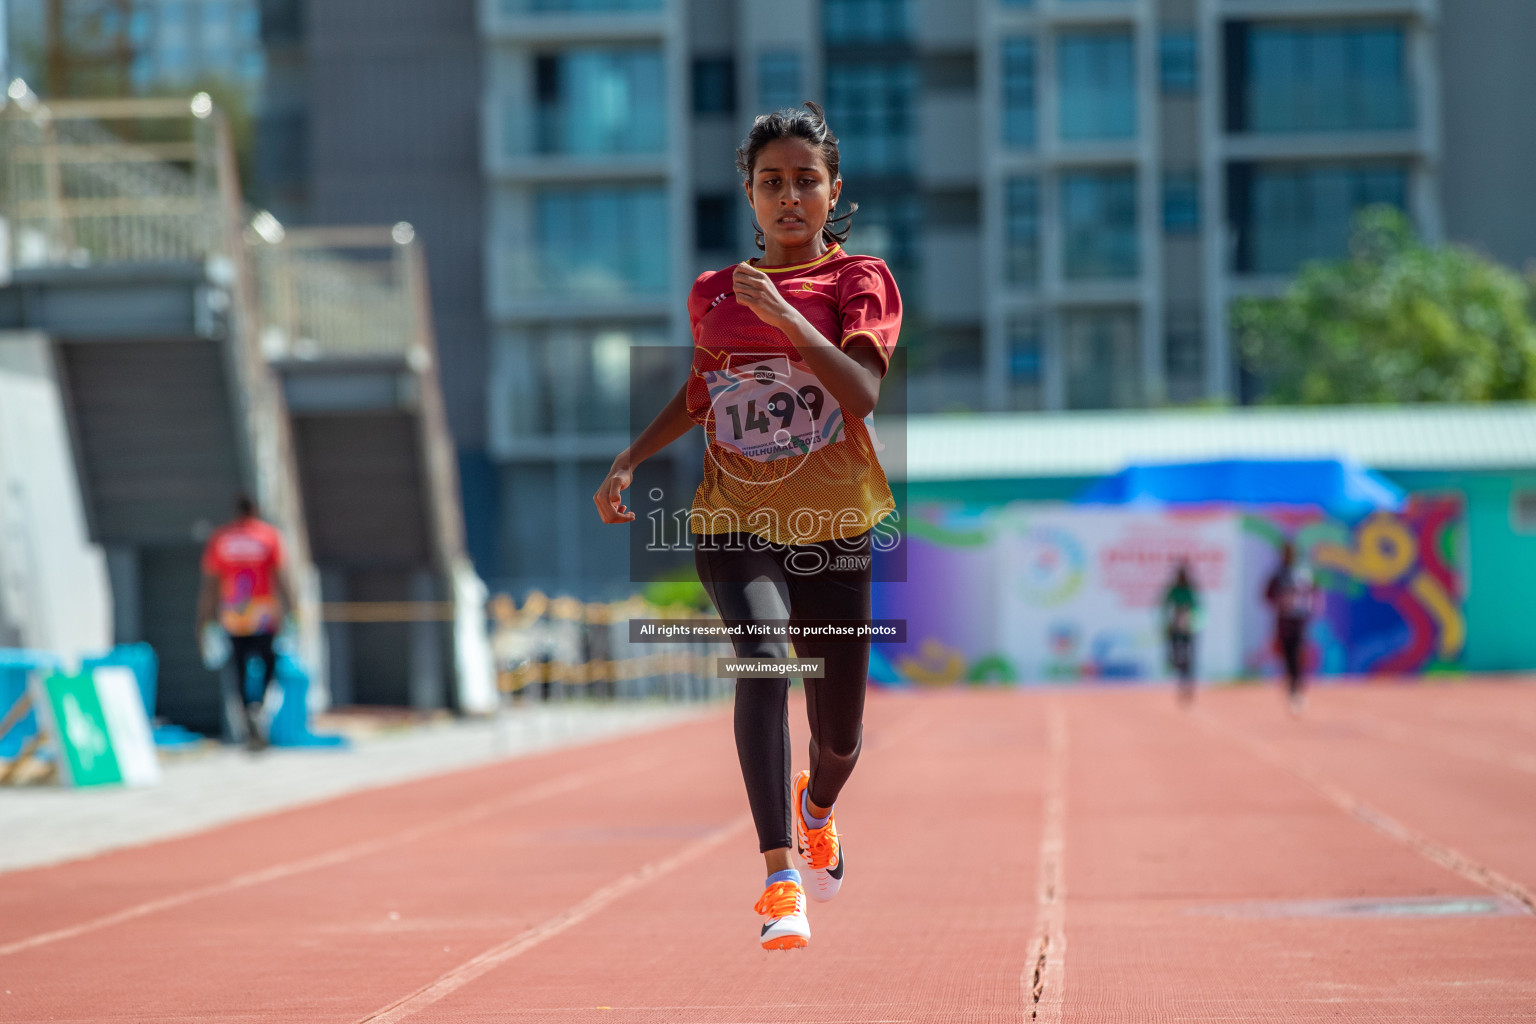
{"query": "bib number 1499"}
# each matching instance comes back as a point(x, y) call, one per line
point(773, 409)
point(781, 406)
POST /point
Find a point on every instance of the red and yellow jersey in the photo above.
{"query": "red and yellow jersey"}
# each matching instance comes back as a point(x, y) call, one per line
point(246, 556)
point(781, 461)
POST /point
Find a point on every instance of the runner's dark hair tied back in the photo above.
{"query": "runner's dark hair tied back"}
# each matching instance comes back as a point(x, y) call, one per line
point(809, 122)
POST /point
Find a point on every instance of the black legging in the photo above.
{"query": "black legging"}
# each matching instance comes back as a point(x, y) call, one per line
point(1292, 637)
point(241, 650)
point(761, 582)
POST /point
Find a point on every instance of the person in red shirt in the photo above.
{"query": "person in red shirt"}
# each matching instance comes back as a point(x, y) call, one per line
point(789, 352)
point(246, 588)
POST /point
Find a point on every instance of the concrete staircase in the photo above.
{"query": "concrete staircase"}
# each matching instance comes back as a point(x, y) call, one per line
point(168, 304)
point(349, 331)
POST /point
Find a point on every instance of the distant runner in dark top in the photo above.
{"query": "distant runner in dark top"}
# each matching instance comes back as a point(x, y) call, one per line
point(1181, 606)
point(1290, 593)
point(244, 583)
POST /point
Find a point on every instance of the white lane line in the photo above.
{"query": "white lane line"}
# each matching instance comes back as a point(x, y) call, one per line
point(1045, 976)
point(494, 957)
point(1446, 856)
point(485, 809)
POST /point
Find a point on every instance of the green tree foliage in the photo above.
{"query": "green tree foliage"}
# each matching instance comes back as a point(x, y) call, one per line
point(683, 591)
point(1398, 321)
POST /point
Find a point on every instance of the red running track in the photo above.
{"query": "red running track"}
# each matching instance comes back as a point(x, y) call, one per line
point(1012, 856)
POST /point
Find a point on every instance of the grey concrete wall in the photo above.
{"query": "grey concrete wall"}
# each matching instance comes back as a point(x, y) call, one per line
point(1488, 124)
point(395, 94)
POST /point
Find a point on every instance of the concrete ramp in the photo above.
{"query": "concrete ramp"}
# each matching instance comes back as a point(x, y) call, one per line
point(349, 333)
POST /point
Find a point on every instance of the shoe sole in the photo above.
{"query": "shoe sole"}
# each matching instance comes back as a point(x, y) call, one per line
point(787, 942)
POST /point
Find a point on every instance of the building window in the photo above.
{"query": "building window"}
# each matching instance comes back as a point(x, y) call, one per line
point(888, 228)
point(871, 104)
point(1026, 364)
point(944, 367)
point(714, 85)
point(1179, 62)
point(1184, 356)
point(591, 102)
point(566, 379)
point(1023, 231)
point(712, 223)
point(1098, 212)
point(530, 522)
point(281, 152)
point(1096, 73)
point(600, 241)
point(1315, 78)
point(1287, 215)
point(865, 21)
point(778, 81)
point(577, 6)
point(1102, 352)
point(1181, 204)
point(1019, 92)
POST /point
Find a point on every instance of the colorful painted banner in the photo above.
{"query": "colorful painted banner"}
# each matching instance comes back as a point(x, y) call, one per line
point(1052, 593)
point(1037, 593)
point(1081, 591)
point(1392, 588)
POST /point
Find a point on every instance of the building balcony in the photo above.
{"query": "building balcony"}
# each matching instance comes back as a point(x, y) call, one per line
point(1269, 10)
point(508, 306)
point(1069, 12)
point(1103, 292)
point(1324, 145)
point(576, 169)
point(519, 21)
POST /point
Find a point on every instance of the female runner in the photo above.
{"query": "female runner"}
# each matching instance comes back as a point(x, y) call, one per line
point(789, 351)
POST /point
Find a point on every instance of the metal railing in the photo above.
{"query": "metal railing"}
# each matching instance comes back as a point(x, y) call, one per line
point(75, 193)
point(337, 293)
point(563, 649)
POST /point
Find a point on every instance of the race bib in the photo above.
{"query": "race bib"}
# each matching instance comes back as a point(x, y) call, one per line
point(772, 408)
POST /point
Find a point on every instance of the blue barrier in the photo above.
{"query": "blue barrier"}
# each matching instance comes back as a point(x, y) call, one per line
point(290, 723)
point(15, 665)
point(142, 661)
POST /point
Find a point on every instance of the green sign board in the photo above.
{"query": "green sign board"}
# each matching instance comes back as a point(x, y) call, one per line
point(100, 731)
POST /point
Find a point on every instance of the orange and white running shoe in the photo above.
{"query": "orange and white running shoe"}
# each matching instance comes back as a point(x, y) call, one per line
point(783, 904)
point(819, 850)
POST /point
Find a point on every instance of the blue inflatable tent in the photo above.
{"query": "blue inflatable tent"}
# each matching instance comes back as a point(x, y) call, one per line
point(1341, 487)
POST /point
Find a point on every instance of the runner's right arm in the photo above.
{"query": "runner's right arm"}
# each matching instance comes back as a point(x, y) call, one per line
point(670, 424)
point(207, 602)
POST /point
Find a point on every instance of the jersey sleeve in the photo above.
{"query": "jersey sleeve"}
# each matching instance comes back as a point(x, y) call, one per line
point(698, 305)
point(279, 550)
point(870, 305)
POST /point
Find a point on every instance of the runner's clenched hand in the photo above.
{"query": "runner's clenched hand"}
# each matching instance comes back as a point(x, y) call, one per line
point(755, 290)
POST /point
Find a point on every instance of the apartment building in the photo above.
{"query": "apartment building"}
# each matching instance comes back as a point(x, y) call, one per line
point(1072, 192)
